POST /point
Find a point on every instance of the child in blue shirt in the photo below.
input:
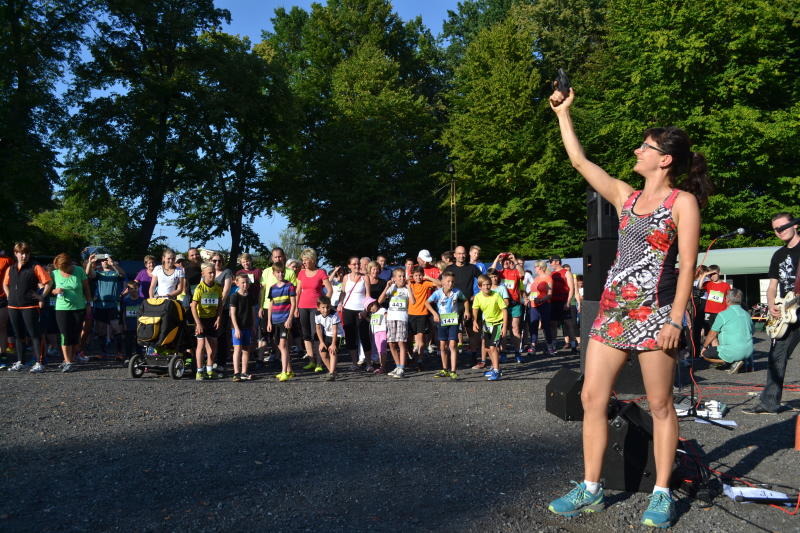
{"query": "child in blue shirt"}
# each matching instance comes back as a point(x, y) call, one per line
point(131, 309)
point(447, 300)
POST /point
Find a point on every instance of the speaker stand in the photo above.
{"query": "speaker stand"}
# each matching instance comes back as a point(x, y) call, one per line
point(692, 411)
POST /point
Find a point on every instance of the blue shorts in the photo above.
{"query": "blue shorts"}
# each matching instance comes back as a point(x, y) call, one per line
point(448, 333)
point(244, 340)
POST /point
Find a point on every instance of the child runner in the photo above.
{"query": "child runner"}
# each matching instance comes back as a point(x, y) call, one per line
point(254, 275)
point(446, 299)
point(418, 317)
point(377, 326)
point(329, 331)
point(243, 319)
point(511, 275)
point(495, 322)
point(335, 279)
point(131, 309)
point(283, 300)
point(205, 310)
point(503, 292)
point(397, 319)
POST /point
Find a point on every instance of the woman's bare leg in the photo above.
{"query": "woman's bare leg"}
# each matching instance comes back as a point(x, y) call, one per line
point(658, 372)
point(603, 365)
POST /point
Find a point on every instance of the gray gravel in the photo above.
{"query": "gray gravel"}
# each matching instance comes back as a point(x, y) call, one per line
point(97, 450)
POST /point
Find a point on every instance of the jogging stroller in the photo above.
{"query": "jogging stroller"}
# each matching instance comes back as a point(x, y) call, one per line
point(163, 331)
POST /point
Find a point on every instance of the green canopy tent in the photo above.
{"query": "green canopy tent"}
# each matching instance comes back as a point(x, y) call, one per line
point(739, 261)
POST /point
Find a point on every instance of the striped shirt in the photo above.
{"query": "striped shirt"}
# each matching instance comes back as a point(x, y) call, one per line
point(281, 301)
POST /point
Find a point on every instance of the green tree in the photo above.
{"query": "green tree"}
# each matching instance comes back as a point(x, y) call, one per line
point(240, 98)
point(37, 41)
point(360, 172)
point(131, 132)
point(464, 24)
point(72, 224)
point(516, 189)
point(292, 241)
point(724, 71)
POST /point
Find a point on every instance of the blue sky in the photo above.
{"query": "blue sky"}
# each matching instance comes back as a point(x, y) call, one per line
point(250, 18)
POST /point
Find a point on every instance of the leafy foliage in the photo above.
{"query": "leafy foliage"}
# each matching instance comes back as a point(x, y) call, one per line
point(358, 174)
point(37, 41)
point(238, 100)
point(131, 133)
point(516, 189)
point(345, 117)
point(725, 72)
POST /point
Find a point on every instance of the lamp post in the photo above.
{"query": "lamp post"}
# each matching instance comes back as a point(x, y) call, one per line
point(453, 224)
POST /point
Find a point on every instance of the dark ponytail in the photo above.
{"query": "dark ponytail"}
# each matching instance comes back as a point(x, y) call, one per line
point(697, 181)
point(676, 143)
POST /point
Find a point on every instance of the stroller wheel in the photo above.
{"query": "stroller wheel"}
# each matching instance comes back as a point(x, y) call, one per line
point(176, 368)
point(134, 366)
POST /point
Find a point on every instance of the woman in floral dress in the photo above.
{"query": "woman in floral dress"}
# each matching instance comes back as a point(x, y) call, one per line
point(644, 300)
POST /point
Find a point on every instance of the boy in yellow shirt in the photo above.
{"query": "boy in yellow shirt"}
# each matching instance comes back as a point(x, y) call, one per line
point(205, 310)
point(495, 322)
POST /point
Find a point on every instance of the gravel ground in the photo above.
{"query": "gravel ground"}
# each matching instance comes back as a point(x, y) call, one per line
point(97, 450)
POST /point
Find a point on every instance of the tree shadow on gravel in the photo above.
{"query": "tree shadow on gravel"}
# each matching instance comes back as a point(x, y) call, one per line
point(310, 471)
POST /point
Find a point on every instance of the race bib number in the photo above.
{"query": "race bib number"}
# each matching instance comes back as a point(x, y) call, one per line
point(534, 295)
point(209, 301)
point(397, 303)
point(510, 284)
point(448, 319)
point(716, 296)
point(375, 319)
point(132, 312)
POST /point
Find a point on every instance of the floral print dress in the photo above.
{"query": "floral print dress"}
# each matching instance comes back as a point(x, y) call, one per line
point(638, 294)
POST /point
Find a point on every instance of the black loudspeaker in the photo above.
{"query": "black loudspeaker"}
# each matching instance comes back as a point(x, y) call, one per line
point(602, 219)
point(629, 463)
point(598, 256)
point(564, 395)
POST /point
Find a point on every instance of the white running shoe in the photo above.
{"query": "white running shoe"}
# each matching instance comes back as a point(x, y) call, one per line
point(398, 373)
point(17, 367)
point(38, 368)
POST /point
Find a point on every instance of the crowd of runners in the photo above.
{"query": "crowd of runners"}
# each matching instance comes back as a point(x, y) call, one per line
point(385, 320)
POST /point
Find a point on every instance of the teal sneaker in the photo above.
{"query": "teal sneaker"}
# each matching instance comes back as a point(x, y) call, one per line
point(577, 501)
point(661, 511)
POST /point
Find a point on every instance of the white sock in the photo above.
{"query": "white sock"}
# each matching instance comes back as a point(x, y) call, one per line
point(209, 369)
point(661, 489)
point(592, 486)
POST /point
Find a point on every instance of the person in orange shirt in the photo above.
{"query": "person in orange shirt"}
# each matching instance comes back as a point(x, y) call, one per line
point(539, 292)
point(422, 287)
point(5, 262)
point(22, 283)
